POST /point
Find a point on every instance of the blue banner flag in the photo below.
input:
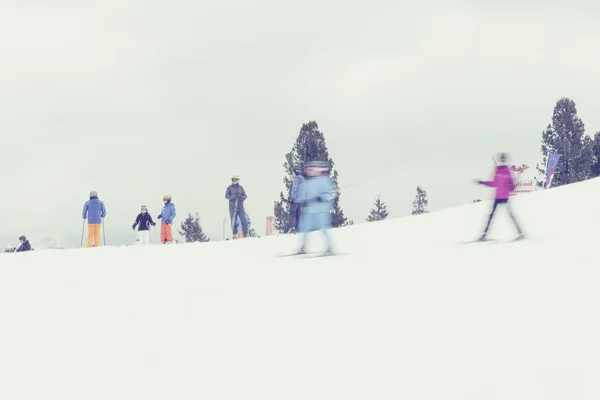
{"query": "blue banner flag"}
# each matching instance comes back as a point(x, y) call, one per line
point(551, 169)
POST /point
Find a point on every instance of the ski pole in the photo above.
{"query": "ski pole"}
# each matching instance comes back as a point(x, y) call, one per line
point(103, 233)
point(82, 230)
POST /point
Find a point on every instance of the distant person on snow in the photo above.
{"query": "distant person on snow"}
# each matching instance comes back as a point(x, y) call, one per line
point(144, 220)
point(297, 200)
point(504, 184)
point(320, 192)
point(94, 211)
point(25, 245)
point(251, 231)
point(236, 195)
point(167, 215)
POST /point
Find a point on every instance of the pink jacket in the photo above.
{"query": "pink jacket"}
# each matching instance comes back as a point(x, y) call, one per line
point(503, 182)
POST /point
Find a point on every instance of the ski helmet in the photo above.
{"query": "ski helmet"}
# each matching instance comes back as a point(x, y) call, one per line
point(320, 166)
point(23, 238)
point(235, 177)
point(167, 197)
point(93, 193)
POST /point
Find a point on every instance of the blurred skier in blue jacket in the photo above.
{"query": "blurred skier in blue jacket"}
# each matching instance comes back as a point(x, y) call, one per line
point(297, 199)
point(316, 214)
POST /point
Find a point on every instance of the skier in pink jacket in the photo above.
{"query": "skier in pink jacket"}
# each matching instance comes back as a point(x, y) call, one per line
point(504, 184)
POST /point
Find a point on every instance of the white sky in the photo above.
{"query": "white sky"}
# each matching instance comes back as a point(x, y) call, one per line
point(141, 98)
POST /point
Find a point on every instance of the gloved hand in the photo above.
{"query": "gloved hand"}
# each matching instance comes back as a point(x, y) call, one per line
point(159, 217)
point(133, 226)
point(168, 222)
point(153, 224)
point(477, 181)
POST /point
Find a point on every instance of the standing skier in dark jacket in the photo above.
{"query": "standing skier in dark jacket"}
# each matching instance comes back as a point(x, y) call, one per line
point(25, 245)
point(236, 195)
point(144, 220)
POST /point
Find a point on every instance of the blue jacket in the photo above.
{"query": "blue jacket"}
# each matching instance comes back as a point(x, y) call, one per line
point(168, 213)
point(94, 211)
point(320, 192)
point(298, 190)
point(239, 223)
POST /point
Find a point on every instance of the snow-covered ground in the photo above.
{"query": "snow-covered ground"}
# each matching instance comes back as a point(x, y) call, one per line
point(408, 313)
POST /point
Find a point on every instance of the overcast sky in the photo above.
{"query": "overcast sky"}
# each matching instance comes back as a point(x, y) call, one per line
point(137, 99)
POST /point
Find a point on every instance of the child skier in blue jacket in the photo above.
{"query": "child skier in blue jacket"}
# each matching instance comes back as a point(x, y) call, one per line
point(167, 215)
point(251, 231)
point(320, 192)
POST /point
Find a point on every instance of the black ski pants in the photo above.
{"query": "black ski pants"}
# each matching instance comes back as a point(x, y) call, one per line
point(510, 213)
point(295, 214)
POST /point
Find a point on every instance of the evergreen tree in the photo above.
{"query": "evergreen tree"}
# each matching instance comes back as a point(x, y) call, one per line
point(379, 212)
point(191, 229)
point(309, 146)
point(420, 203)
point(566, 136)
point(596, 150)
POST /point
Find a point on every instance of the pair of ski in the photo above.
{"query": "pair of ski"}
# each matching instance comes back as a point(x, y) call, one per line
point(495, 241)
point(311, 255)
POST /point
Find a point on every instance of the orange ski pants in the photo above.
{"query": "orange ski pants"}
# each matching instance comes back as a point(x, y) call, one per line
point(165, 233)
point(94, 235)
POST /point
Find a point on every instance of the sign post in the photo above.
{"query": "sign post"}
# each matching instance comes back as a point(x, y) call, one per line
point(522, 184)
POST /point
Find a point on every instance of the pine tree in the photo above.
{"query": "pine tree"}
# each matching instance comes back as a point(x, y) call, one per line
point(596, 150)
point(420, 203)
point(191, 229)
point(566, 136)
point(379, 212)
point(309, 146)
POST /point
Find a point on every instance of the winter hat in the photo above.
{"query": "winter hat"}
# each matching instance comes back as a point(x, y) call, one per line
point(93, 193)
point(321, 166)
point(235, 177)
point(23, 238)
point(167, 197)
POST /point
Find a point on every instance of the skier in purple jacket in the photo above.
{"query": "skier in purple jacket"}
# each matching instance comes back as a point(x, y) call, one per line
point(504, 184)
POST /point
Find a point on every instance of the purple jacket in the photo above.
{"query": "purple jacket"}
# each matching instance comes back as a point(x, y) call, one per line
point(503, 182)
point(94, 211)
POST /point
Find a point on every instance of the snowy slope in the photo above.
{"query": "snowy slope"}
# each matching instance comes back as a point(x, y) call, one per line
point(409, 314)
